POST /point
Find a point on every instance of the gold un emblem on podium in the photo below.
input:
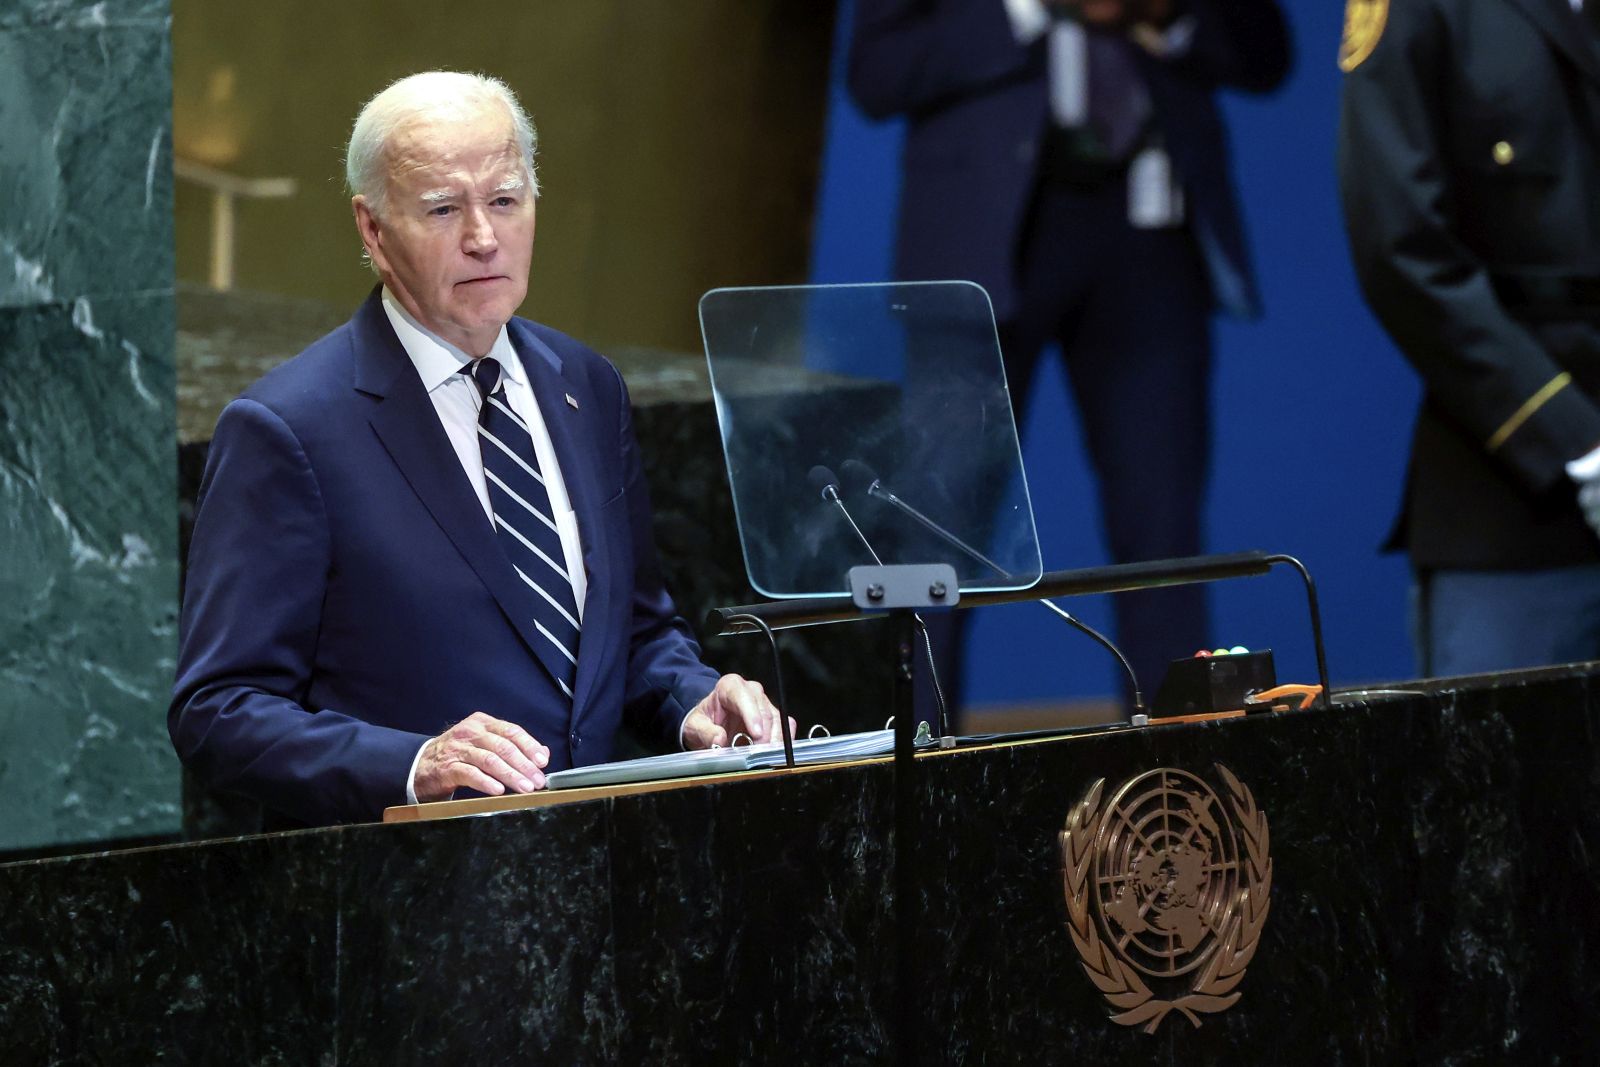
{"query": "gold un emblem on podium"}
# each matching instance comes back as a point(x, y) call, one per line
point(1167, 889)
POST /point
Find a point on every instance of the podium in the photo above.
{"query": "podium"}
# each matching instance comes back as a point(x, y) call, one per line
point(1433, 896)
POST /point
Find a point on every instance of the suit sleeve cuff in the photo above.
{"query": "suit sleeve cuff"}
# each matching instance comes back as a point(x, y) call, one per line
point(411, 776)
point(1540, 438)
point(691, 698)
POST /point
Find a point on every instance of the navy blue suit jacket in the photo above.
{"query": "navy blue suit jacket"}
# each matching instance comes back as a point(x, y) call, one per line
point(346, 598)
point(978, 107)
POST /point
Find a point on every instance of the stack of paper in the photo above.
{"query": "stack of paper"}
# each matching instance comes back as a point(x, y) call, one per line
point(723, 760)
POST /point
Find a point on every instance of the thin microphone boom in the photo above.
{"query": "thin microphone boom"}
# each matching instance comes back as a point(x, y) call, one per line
point(862, 479)
point(823, 481)
point(827, 486)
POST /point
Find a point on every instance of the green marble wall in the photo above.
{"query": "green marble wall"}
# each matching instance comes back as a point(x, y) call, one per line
point(88, 525)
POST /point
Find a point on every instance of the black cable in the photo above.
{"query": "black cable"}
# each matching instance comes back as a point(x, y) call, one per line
point(933, 675)
point(777, 674)
point(1316, 623)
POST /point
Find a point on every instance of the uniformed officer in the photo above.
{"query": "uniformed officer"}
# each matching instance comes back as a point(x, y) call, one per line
point(1469, 166)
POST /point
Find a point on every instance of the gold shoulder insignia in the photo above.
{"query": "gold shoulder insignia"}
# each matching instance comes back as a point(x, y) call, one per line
point(1363, 25)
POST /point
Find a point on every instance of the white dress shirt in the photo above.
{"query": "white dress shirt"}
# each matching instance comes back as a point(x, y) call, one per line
point(456, 399)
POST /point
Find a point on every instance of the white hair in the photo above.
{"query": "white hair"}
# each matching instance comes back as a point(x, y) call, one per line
point(438, 95)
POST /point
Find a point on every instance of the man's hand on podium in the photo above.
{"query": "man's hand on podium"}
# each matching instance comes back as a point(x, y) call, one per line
point(736, 706)
point(483, 753)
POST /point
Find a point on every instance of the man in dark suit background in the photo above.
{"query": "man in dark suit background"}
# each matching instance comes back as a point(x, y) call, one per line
point(422, 559)
point(1069, 156)
point(1469, 164)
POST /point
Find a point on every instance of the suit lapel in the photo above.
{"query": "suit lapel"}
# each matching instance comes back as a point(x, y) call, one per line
point(551, 385)
point(407, 424)
point(1566, 32)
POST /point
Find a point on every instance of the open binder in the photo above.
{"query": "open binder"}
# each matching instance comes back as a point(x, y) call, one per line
point(807, 753)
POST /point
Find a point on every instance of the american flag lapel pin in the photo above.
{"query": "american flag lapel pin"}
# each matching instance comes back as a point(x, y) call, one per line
point(573, 401)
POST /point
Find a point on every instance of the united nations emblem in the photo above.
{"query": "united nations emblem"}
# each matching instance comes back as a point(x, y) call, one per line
point(1363, 25)
point(1167, 890)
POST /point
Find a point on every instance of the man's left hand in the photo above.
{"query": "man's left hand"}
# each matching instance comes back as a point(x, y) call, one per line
point(736, 706)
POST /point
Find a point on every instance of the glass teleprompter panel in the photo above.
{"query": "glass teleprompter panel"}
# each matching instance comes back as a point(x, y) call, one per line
point(889, 400)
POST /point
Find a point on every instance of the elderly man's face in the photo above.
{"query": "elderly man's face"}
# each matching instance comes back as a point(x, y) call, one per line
point(456, 235)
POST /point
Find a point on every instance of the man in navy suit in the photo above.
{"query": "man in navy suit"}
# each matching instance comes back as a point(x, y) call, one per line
point(1069, 156)
point(422, 560)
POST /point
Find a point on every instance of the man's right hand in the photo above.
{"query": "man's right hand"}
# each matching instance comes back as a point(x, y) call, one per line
point(483, 753)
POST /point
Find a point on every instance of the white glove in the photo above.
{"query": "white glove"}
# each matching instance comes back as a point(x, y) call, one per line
point(1589, 503)
point(1585, 470)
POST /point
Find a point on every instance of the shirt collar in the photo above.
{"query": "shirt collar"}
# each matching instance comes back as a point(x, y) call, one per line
point(437, 360)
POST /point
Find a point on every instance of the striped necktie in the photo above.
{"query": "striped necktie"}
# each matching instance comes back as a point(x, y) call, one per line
point(1119, 104)
point(524, 524)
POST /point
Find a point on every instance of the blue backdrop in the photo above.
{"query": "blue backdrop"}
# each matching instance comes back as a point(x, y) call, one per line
point(1313, 405)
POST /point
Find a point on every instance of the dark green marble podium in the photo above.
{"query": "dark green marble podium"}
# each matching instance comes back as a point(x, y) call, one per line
point(1433, 900)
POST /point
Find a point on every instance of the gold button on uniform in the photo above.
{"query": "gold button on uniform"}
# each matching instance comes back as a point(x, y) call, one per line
point(1503, 152)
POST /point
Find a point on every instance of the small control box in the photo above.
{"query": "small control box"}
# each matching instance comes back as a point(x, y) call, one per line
point(1211, 682)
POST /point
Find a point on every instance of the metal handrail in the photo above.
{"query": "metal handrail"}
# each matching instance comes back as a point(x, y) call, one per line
point(225, 189)
point(1118, 578)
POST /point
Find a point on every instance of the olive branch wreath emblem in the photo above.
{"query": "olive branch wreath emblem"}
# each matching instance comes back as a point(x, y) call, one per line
point(1213, 989)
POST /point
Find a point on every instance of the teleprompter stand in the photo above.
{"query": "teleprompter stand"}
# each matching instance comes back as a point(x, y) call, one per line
point(902, 591)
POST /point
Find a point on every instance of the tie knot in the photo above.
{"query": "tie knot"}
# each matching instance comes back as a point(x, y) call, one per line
point(486, 372)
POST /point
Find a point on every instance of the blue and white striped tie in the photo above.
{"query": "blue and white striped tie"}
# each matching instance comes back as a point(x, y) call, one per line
point(524, 523)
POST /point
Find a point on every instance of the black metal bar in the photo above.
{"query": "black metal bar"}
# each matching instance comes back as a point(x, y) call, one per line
point(1119, 578)
point(783, 698)
point(1316, 624)
point(907, 988)
point(1122, 577)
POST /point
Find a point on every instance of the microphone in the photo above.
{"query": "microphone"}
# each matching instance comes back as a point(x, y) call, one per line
point(864, 481)
point(824, 482)
point(861, 480)
point(827, 486)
